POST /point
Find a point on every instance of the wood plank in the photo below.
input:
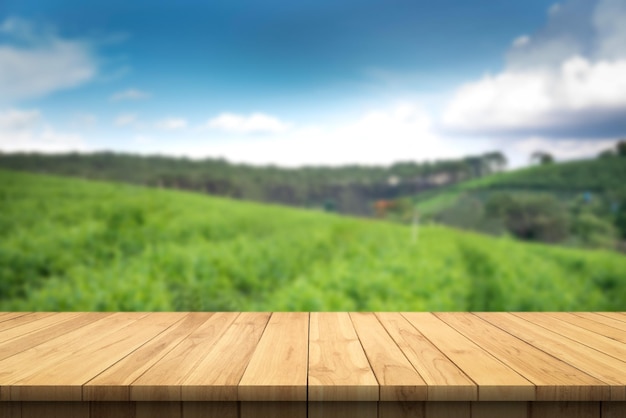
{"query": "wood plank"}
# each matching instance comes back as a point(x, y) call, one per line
point(591, 325)
point(603, 318)
point(278, 368)
point(55, 409)
point(447, 409)
point(10, 410)
point(162, 381)
point(575, 333)
point(112, 409)
point(343, 409)
point(565, 410)
point(396, 377)
point(273, 409)
point(22, 343)
point(446, 382)
point(555, 380)
point(599, 365)
point(500, 409)
point(613, 410)
point(7, 316)
point(71, 373)
point(401, 410)
point(113, 384)
point(338, 366)
point(496, 381)
point(42, 356)
point(617, 316)
point(158, 410)
point(217, 375)
point(23, 319)
point(29, 327)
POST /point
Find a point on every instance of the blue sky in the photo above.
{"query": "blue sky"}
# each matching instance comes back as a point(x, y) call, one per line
point(313, 82)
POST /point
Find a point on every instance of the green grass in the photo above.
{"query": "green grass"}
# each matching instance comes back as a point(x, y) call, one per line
point(566, 180)
point(79, 245)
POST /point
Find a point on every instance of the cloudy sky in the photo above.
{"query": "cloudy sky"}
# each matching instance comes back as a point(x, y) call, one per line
point(313, 81)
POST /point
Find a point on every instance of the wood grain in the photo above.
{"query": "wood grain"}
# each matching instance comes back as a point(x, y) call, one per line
point(554, 379)
point(387, 365)
point(496, 381)
point(277, 370)
point(17, 344)
point(113, 384)
point(396, 377)
point(162, 381)
point(216, 376)
point(599, 365)
point(576, 333)
point(446, 382)
point(338, 366)
point(75, 370)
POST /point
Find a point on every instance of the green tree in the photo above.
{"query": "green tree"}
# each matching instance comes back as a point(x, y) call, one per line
point(541, 157)
point(621, 148)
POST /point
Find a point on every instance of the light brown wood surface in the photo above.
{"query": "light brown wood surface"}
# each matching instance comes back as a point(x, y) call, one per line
point(338, 367)
point(397, 378)
point(444, 380)
point(554, 379)
point(278, 367)
point(496, 381)
point(595, 363)
point(380, 363)
point(164, 379)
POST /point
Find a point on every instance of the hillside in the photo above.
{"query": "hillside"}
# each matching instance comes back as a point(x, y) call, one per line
point(590, 196)
point(345, 189)
point(68, 244)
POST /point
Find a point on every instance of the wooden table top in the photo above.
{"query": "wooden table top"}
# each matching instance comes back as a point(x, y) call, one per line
point(335, 356)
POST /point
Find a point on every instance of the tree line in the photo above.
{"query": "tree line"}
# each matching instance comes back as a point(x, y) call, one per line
point(347, 189)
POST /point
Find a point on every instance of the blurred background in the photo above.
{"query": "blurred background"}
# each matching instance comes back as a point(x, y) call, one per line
point(365, 155)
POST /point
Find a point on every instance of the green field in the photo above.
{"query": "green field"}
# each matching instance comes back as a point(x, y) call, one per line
point(69, 244)
point(604, 176)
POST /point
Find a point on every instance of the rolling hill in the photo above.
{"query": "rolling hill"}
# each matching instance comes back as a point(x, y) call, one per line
point(69, 244)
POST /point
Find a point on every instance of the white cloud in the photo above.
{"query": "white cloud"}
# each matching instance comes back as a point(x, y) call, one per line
point(172, 123)
point(540, 100)
point(379, 136)
point(521, 41)
point(38, 63)
point(25, 130)
point(256, 123)
point(129, 94)
point(554, 86)
point(562, 149)
point(126, 119)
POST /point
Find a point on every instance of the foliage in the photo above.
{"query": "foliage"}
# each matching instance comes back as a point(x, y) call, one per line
point(345, 189)
point(531, 217)
point(84, 245)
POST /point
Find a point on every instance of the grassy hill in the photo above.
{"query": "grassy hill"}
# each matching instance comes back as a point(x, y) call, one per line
point(70, 244)
point(606, 176)
point(589, 195)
